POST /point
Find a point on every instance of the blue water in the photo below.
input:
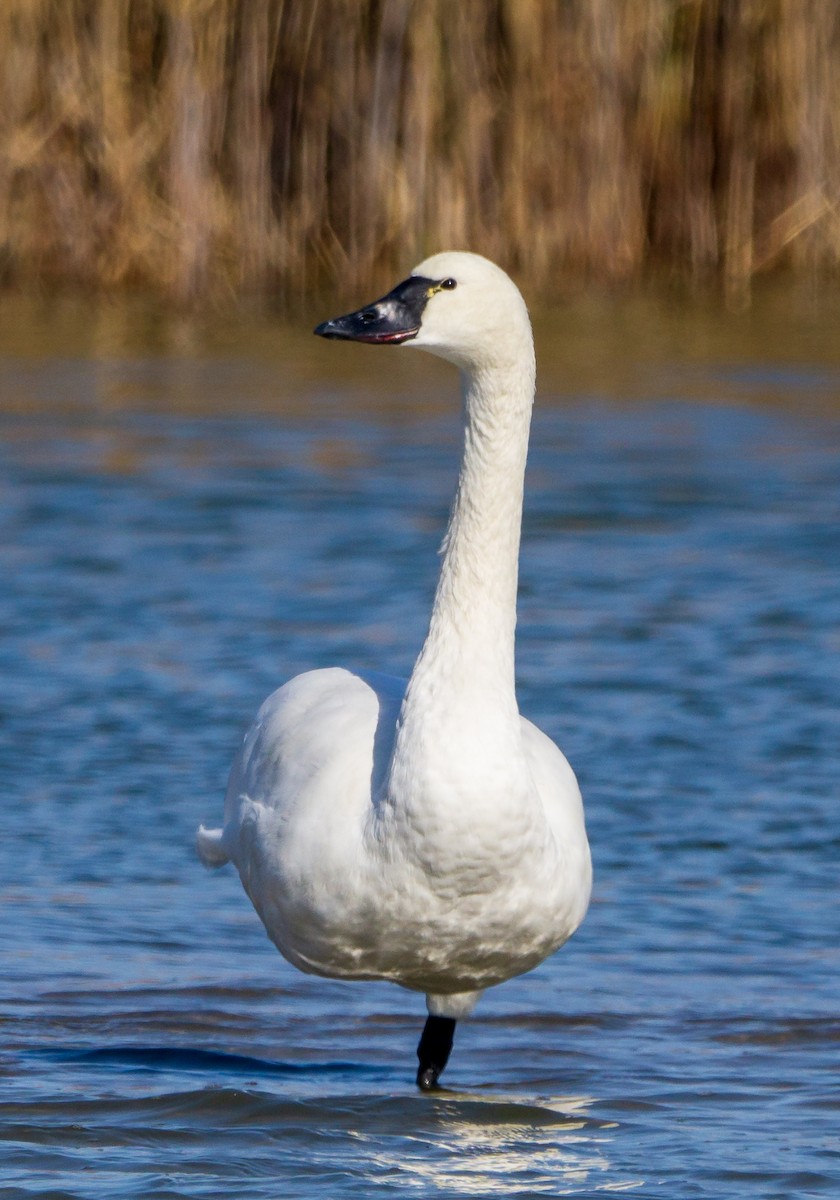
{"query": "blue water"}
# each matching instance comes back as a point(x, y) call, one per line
point(679, 637)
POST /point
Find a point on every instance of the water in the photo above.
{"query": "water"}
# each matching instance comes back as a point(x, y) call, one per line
point(174, 546)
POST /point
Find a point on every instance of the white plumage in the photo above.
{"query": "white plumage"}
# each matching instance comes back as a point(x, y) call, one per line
point(424, 833)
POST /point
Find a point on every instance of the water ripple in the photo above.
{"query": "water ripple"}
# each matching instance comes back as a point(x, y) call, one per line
point(679, 638)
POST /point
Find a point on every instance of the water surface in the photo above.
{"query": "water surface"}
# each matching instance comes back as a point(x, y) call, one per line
point(190, 517)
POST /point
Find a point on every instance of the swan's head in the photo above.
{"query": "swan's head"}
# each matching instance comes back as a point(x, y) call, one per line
point(459, 306)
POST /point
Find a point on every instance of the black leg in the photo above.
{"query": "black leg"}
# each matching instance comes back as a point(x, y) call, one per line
point(433, 1050)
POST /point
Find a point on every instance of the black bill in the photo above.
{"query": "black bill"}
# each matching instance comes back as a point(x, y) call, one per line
point(393, 319)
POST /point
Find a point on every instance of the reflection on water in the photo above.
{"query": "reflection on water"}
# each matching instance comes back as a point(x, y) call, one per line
point(189, 515)
point(504, 1147)
point(128, 354)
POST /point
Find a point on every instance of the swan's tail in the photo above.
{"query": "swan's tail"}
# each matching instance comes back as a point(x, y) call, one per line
point(210, 844)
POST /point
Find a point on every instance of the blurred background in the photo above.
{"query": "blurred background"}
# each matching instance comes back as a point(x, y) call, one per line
point(199, 499)
point(206, 146)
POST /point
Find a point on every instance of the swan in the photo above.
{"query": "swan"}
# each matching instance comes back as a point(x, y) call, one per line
point(423, 832)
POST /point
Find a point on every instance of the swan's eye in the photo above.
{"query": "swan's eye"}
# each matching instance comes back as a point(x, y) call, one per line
point(449, 284)
point(369, 315)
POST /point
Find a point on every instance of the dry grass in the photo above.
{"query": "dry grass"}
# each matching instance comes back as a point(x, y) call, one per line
point(193, 145)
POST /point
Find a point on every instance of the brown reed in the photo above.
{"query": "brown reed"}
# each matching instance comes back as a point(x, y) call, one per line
point(192, 145)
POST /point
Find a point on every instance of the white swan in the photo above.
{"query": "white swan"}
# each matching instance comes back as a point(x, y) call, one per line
point(424, 832)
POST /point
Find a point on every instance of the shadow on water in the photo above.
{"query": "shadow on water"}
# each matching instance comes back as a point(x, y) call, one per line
point(477, 1143)
point(204, 1062)
point(459, 1144)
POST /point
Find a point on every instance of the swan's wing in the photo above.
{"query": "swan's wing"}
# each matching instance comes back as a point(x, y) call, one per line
point(313, 754)
point(299, 796)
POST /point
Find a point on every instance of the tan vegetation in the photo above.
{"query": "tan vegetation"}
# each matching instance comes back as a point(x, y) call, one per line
point(194, 145)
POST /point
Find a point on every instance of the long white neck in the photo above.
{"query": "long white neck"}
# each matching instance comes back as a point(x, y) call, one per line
point(461, 691)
